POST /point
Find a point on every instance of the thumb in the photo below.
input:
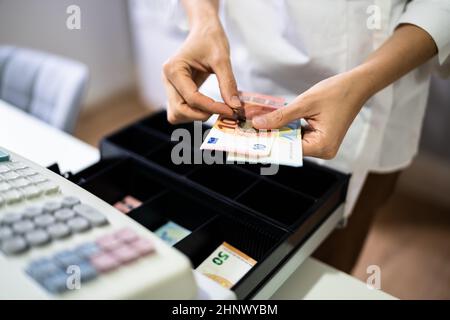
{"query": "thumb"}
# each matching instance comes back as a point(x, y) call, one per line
point(280, 117)
point(227, 84)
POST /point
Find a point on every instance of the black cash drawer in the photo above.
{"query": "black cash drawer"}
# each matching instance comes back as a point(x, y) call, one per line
point(266, 217)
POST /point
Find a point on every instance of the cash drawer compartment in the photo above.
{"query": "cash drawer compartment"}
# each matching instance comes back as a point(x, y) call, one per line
point(125, 178)
point(265, 197)
point(262, 242)
point(266, 217)
point(223, 179)
point(162, 157)
point(173, 206)
point(318, 181)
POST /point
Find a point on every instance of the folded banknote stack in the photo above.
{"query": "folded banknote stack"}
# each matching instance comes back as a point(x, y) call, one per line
point(243, 143)
point(226, 265)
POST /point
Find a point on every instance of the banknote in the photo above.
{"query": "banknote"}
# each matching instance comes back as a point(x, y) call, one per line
point(255, 104)
point(172, 233)
point(286, 149)
point(226, 265)
point(233, 135)
point(282, 146)
point(236, 134)
point(127, 204)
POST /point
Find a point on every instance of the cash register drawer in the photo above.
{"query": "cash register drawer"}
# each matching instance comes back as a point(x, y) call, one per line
point(266, 217)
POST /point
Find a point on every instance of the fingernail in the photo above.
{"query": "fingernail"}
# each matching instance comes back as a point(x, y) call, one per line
point(259, 122)
point(236, 101)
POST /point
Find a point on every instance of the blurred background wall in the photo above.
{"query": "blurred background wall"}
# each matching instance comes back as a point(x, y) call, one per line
point(103, 43)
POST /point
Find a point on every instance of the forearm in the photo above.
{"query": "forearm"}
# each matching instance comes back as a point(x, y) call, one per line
point(408, 48)
point(201, 12)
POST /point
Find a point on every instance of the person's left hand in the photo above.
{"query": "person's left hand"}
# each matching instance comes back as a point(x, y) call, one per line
point(329, 107)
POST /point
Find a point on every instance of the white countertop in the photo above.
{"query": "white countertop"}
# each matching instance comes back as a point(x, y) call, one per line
point(41, 143)
point(314, 280)
point(45, 145)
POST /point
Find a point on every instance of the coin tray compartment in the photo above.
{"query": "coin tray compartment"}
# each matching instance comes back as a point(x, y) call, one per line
point(173, 206)
point(162, 157)
point(276, 202)
point(136, 140)
point(94, 170)
point(308, 179)
point(127, 177)
point(223, 179)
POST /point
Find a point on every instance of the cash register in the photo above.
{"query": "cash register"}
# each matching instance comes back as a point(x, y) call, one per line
point(136, 225)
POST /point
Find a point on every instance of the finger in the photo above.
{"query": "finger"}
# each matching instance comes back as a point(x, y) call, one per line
point(315, 144)
point(227, 84)
point(177, 116)
point(193, 113)
point(310, 144)
point(181, 79)
point(179, 111)
point(281, 116)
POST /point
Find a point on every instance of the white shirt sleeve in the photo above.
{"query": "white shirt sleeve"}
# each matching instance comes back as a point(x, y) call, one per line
point(433, 16)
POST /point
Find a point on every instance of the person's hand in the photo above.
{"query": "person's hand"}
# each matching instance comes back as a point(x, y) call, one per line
point(204, 52)
point(329, 107)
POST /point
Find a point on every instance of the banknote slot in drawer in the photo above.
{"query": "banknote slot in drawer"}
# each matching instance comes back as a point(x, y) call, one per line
point(136, 140)
point(276, 202)
point(308, 179)
point(94, 170)
point(254, 238)
point(223, 179)
point(163, 157)
point(174, 207)
point(127, 178)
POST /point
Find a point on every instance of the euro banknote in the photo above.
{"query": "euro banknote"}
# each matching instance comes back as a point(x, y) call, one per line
point(226, 265)
point(286, 149)
point(233, 135)
point(246, 144)
point(237, 135)
point(171, 233)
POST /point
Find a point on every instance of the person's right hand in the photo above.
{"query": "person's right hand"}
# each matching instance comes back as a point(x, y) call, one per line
point(205, 51)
